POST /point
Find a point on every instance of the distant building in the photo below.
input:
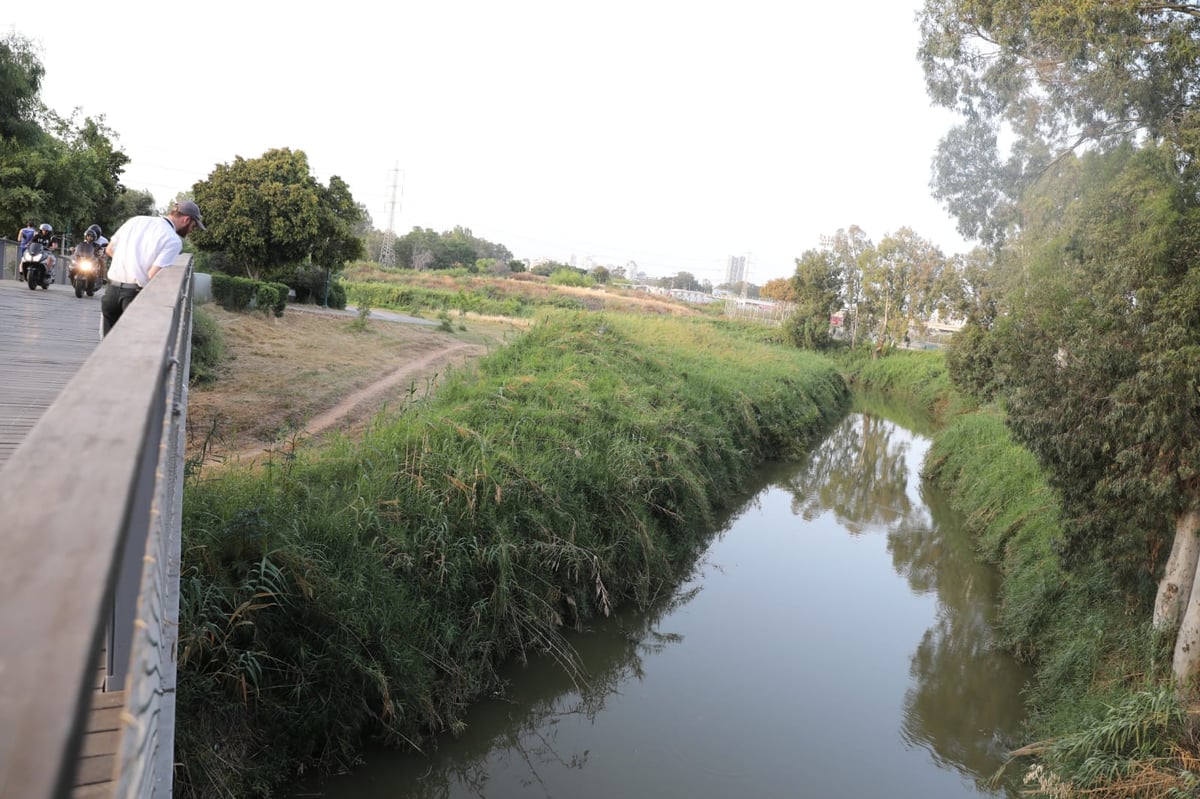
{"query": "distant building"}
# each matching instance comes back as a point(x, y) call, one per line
point(735, 271)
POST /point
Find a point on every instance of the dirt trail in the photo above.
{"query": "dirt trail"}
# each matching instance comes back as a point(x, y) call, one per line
point(371, 397)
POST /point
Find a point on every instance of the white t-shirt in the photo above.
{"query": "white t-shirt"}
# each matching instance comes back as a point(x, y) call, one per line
point(141, 243)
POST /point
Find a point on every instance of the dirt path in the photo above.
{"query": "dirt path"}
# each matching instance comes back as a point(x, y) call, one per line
point(370, 399)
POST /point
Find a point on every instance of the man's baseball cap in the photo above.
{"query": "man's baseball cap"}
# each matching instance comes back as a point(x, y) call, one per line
point(189, 208)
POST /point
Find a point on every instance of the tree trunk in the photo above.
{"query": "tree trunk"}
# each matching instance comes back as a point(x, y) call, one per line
point(1186, 663)
point(883, 330)
point(1175, 587)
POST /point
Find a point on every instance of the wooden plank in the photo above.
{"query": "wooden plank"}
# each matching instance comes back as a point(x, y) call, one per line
point(101, 790)
point(96, 770)
point(100, 743)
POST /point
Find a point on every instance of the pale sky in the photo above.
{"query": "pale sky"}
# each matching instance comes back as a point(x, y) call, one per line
point(672, 134)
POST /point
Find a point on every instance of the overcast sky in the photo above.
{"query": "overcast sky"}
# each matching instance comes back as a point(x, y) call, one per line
point(672, 134)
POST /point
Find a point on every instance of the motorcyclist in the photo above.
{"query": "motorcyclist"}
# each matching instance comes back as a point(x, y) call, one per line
point(97, 238)
point(23, 238)
point(93, 245)
point(45, 237)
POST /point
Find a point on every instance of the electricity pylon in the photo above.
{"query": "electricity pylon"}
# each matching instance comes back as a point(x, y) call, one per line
point(387, 255)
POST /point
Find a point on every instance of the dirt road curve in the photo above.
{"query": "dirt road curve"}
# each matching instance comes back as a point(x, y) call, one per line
point(369, 399)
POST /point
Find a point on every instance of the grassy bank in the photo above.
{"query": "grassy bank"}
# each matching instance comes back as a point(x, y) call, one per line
point(520, 295)
point(1102, 722)
point(371, 588)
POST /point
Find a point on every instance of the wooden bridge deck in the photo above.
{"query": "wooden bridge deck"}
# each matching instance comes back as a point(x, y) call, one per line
point(45, 336)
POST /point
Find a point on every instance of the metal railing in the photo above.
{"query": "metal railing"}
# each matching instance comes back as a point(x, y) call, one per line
point(9, 263)
point(98, 555)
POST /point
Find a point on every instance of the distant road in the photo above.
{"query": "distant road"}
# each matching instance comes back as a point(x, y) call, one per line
point(351, 311)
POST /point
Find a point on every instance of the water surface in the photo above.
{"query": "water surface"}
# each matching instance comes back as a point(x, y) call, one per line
point(834, 641)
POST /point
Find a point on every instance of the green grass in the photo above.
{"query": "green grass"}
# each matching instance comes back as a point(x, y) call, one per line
point(372, 588)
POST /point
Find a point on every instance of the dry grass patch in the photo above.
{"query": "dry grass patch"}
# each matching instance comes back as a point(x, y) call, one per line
point(306, 373)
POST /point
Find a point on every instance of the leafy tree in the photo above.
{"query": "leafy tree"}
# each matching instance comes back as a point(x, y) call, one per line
point(852, 252)
point(424, 248)
point(64, 171)
point(21, 74)
point(269, 215)
point(778, 289)
point(1049, 76)
point(739, 288)
point(1100, 361)
point(815, 286)
point(906, 282)
point(1099, 345)
point(684, 281)
point(91, 168)
point(337, 241)
point(130, 202)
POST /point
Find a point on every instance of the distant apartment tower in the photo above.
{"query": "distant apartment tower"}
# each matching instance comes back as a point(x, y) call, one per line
point(735, 272)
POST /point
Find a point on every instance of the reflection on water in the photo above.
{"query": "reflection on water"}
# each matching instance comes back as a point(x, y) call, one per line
point(835, 641)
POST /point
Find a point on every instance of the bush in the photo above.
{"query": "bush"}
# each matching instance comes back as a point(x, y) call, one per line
point(309, 284)
point(337, 295)
point(208, 347)
point(571, 277)
point(971, 361)
point(272, 297)
point(234, 293)
point(808, 332)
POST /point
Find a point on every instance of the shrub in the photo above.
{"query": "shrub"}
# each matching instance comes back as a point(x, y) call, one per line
point(234, 293)
point(571, 277)
point(309, 285)
point(272, 297)
point(208, 347)
point(808, 332)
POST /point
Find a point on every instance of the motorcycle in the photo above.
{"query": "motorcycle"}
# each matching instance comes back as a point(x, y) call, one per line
point(37, 267)
point(84, 271)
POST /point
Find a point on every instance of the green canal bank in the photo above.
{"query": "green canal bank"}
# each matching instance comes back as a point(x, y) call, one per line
point(370, 590)
point(1103, 719)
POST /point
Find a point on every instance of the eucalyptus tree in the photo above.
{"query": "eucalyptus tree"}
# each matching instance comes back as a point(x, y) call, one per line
point(852, 253)
point(1034, 79)
point(904, 283)
point(1077, 155)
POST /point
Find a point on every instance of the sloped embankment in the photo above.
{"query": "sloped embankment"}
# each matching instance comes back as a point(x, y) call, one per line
point(371, 588)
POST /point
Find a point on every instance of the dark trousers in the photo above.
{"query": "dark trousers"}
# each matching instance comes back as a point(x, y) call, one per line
point(114, 302)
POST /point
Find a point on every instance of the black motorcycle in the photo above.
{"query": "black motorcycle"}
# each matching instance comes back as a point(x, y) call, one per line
point(37, 267)
point(84, 271)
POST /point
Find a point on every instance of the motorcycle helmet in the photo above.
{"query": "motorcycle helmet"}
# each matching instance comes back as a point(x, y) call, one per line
point(95, 231)
point(45, 228)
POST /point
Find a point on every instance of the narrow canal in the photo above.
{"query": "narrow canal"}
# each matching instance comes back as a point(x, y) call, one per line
point(835, 640)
